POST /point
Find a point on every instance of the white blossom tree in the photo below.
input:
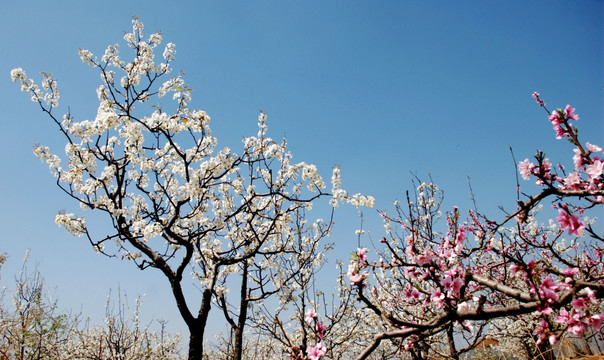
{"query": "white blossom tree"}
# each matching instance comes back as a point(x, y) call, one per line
point(120, 337)
point(32, 327)
point(174, 201)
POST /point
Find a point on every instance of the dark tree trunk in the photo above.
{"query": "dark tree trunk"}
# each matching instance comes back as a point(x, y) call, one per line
point(238, 346)
point(196, 346)
point(197, 327)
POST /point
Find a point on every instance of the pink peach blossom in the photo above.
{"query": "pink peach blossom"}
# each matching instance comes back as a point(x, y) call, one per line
point(526, 169)
point(595, 169)
point(311, 315)
point(570, 113)
point(578, 158)
point(316, 352)
point(569, 221)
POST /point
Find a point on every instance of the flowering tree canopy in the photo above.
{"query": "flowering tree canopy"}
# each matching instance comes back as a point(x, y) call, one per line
point(178, 203)
point(437, 292)
point(175, 201)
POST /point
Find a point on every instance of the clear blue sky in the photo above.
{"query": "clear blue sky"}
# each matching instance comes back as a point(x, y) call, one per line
point(381, 88)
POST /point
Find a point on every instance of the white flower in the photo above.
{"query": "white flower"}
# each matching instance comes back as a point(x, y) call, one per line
point(169, 52)
point(17, 73)
point(76, 226)
point(86, 57)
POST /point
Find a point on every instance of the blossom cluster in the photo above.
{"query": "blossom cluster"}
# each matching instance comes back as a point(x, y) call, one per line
point(430, 281)
point(358, 262)
point(318, 350)
point(587, 177)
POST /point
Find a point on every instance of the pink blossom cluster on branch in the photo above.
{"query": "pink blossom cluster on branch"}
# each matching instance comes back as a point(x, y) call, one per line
point(318, 350)
point(436, 290)
point(317, 329)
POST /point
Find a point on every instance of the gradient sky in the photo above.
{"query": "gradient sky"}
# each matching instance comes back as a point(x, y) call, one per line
point(384, 89)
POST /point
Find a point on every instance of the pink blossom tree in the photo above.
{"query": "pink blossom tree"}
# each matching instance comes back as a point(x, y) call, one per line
point(436, 289)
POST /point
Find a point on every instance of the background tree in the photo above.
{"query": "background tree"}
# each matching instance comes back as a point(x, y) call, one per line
point(311, 323)
point(438, 290)
point(174, 202)
point(2, 260)
point(31, 326)
point(121, 338)
point(276, 274)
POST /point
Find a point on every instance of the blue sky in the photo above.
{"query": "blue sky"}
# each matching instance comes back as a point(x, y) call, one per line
point(383, 89)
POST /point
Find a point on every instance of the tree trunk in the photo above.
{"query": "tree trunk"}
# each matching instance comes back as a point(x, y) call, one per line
point(197, 327)
point(238, 346)
point(195, 345)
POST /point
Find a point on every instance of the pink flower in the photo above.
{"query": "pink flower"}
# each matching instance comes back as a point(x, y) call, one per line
point(541, 330)
point(556, 119)
point(355, 279)
point(352, 269)
point(514, 268)
point(571, 272)
point(526, 169)
point(320, 328)
point(548, 290)
point(549, 283)
point(538, 100)
point(409, 250)
point(546, 167)
point(576, 327)
point(310, 316)
point(577, 158)
point(362, 254)
point(452, 285)
point(593, 148)
point(444, 250)
point(579, 303)
point(572, 181)
point(424, 259)
point(411, 273)
point(569, 221)
point(552, 339)
point(316, 352)
point(570, 113)
point(547, 311)
point(563, 318)
point(595, 169)
point(596, 320)
point(459, 239)
point(591, 296)
point(437, 298)
point(463, 307)
point(354, 275)
point(457, 284)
